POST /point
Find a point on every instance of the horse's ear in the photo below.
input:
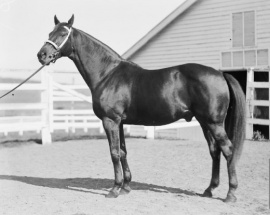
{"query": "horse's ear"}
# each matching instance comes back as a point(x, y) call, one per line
point(71, 20)
point(56, 21)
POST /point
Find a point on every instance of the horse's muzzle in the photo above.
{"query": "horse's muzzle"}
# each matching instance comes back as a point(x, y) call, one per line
point(44, 58)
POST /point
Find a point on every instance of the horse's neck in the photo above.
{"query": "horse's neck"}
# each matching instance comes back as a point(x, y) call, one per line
point(93, 59)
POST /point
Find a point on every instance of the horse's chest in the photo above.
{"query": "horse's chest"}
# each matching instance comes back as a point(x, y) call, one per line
point(110, 105)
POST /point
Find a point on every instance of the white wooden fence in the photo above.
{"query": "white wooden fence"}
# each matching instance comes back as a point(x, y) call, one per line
point(28, 123)
point(69, 118)
point(52, 119)
point(252, 102)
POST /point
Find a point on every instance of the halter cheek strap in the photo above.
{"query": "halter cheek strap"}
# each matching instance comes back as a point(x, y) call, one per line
point(63, 43)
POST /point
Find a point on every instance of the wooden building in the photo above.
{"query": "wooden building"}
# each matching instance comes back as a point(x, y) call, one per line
point(230, 35)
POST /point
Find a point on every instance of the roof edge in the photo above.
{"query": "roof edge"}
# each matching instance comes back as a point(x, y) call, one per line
point(154, 31)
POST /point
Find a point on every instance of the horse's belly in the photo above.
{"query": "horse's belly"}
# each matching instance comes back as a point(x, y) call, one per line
point(148, 122)
point(156, 118)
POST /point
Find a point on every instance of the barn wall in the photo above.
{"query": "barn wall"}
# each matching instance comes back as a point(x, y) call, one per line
point(201, 33)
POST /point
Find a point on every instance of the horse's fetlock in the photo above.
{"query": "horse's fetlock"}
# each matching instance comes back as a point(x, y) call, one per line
point(233, 185)
point(215, 183)
point(128, 177)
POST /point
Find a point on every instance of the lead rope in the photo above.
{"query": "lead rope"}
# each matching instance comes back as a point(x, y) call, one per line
point(23, 81)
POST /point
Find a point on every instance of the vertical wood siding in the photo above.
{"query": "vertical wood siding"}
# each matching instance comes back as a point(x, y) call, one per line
point(200, 33)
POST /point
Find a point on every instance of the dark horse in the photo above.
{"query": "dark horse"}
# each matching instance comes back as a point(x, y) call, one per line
point(125, 93)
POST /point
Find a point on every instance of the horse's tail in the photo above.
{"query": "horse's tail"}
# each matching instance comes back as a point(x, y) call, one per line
point(235, 123)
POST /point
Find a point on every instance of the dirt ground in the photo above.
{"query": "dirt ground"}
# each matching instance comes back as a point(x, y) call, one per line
point(72, 177)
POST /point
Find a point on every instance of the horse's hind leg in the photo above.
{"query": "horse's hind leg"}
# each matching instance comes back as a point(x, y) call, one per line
point(123, 158)
point(222, 140)
point(215, 154)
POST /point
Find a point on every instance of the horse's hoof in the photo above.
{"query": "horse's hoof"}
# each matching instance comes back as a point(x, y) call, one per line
point(112, 194)
point(125, 190)
point(207, 193)
point(230, 199)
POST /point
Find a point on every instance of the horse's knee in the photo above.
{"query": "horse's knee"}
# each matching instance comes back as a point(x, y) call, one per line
point(123, 154)
point(111, 126)
point(115, 157)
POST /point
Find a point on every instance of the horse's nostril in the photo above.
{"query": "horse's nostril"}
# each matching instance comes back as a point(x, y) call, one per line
point(41, 55)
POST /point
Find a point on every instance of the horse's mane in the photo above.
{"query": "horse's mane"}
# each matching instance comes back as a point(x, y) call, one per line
point(99, 44)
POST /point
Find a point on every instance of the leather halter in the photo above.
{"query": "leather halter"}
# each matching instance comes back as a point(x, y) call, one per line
point(63, 43)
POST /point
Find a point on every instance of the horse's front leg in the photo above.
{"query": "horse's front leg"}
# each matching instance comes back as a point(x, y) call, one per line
point(123, 152)
point(111, 128)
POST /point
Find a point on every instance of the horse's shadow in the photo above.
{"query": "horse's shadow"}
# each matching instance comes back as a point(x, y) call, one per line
point(91, 185)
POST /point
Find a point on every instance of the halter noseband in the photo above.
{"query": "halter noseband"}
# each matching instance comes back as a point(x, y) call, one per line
point(63, 43)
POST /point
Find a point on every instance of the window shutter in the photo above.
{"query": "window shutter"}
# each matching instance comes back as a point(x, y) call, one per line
point(226, 59)
point(237, 29)
point(249, 28)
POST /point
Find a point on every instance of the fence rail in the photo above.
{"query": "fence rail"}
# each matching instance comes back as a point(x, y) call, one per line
point(34, 86)
point(23, 106)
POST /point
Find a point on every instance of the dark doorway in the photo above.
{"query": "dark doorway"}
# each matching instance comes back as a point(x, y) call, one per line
point(241, 77)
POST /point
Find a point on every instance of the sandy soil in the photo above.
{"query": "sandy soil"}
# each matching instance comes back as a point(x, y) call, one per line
point(168, 176)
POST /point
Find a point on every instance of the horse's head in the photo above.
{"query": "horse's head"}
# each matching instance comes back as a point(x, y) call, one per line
point(58, 44)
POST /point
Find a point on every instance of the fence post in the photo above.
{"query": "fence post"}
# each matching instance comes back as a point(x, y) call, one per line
point(21, 127)
point(45, 99)
point(150, 132)
point(50, 98)
point(249, 106)
point(72, 118)
point(101, 128)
